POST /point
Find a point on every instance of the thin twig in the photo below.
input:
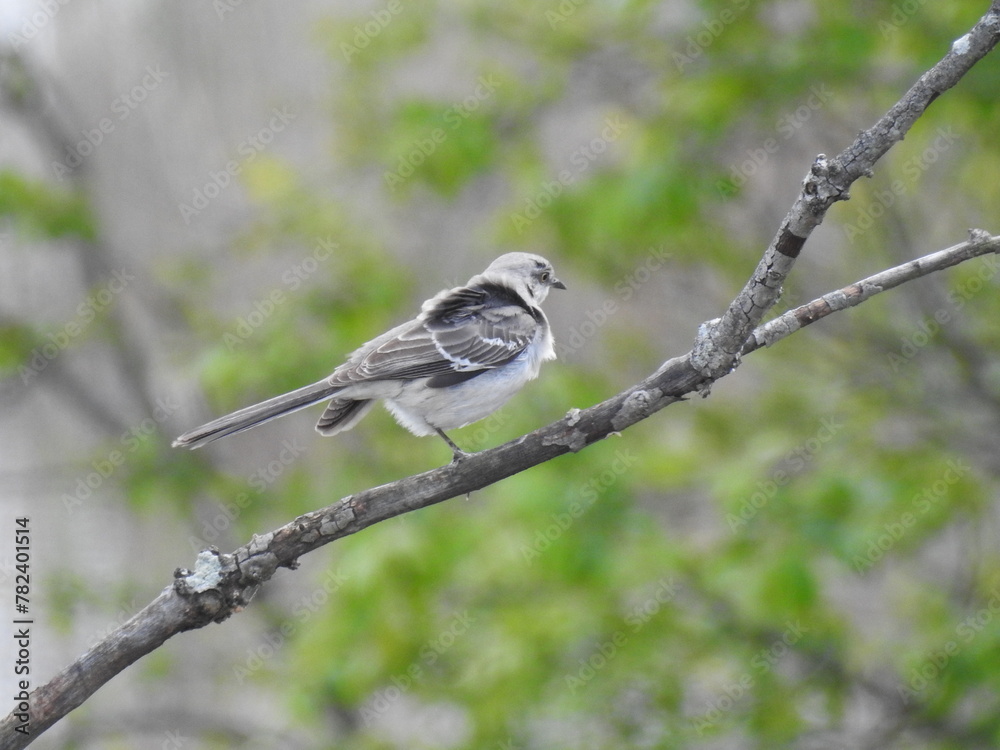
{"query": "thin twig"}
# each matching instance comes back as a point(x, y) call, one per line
point(979, 243)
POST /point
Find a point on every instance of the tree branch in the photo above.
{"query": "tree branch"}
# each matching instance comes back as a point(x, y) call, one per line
point(979, 243)
point(223, 583)
point(717, 350)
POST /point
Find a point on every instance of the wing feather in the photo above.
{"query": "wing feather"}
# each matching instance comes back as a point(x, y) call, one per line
point(466, 330)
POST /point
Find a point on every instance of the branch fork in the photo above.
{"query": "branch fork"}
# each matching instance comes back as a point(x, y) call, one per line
point(222, 584)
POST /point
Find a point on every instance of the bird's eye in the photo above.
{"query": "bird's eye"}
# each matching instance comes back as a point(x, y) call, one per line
point(545, 277)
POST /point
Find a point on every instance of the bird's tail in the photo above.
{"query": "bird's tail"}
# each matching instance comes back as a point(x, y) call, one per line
point(257, 414)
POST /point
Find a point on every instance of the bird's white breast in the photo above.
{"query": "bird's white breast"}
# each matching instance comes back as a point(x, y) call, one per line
point(420, 409)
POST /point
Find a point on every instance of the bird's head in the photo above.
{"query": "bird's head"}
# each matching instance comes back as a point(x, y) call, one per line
point(529, 275)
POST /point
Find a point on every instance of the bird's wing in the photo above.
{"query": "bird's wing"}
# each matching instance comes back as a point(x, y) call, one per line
point(466, 330)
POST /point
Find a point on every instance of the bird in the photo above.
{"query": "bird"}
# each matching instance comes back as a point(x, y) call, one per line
point(464, 356)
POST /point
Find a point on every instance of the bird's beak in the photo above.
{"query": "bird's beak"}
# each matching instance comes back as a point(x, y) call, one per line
point(556, 284)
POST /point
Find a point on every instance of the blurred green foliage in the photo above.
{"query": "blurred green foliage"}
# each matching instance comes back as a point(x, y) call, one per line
point(39, 210)
point(34, 209)
point(748, 571)
point(566, 607)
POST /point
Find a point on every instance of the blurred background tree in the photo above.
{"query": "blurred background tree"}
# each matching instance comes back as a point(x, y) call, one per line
point(204, 206)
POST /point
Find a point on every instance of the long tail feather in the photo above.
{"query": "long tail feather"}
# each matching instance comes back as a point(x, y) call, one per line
point(257, 414)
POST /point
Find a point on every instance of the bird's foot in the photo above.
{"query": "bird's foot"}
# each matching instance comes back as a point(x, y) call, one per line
point(457, 453)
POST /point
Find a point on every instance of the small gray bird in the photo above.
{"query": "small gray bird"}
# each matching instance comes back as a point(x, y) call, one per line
point(470, 349)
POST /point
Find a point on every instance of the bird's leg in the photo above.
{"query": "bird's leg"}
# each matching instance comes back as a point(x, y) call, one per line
point(457, 452)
